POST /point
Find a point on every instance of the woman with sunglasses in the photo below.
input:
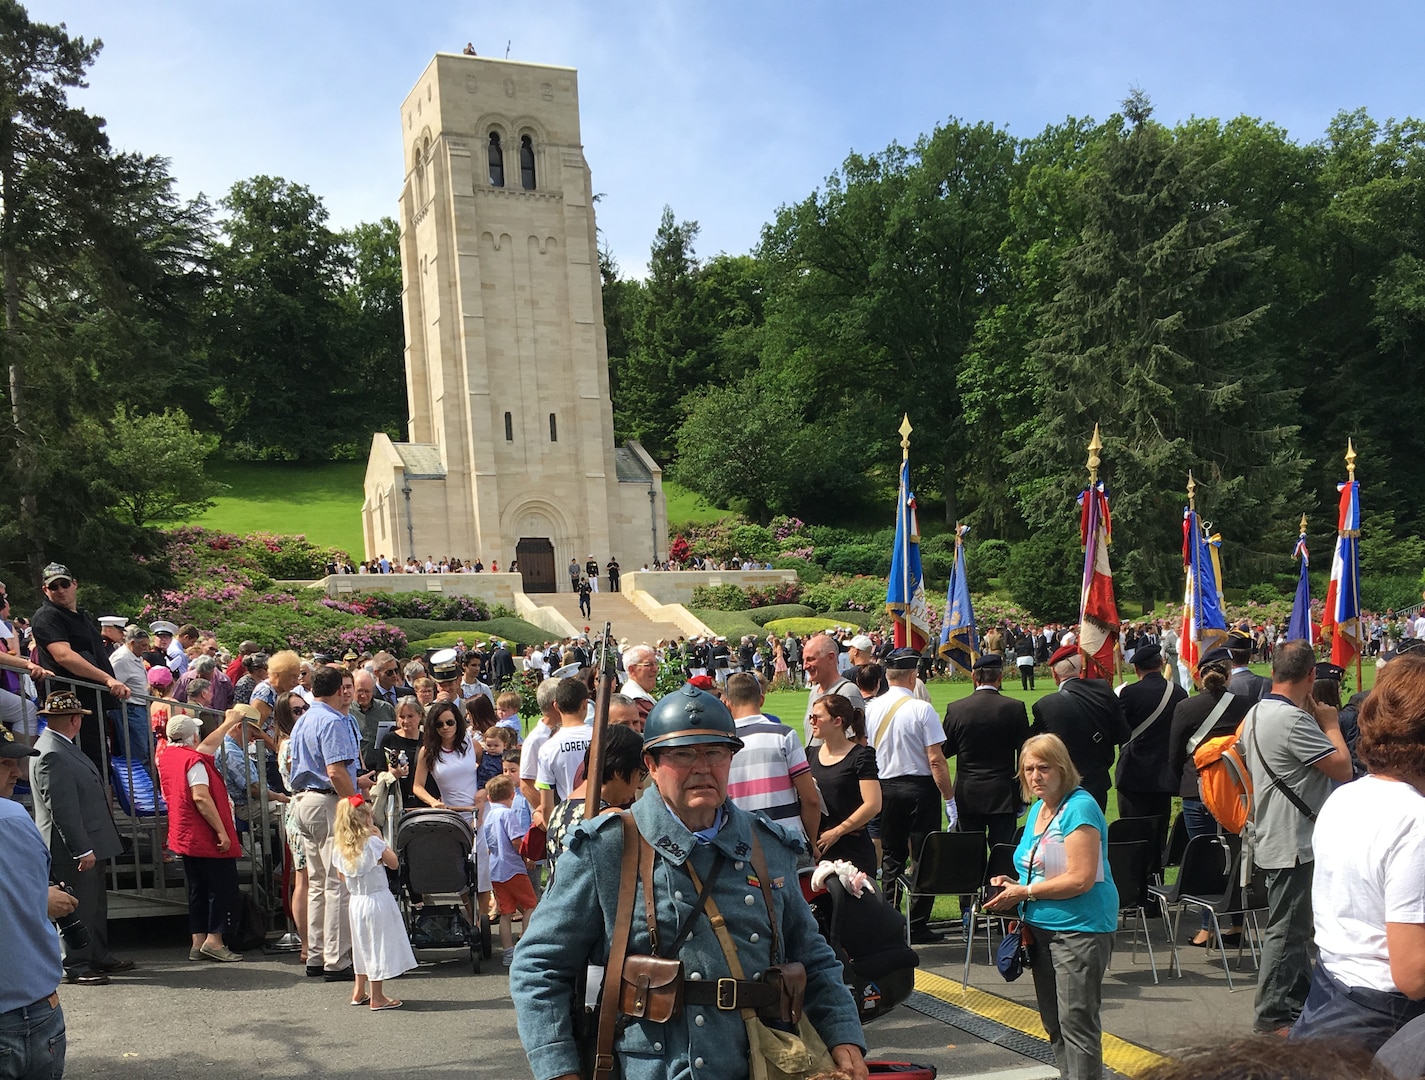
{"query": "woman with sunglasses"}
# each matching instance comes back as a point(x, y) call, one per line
point(288, 709)
point(448, 761)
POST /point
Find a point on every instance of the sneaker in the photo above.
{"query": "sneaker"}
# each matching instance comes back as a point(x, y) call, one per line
point(195, 953)
point(222, 954)
point(507, 956)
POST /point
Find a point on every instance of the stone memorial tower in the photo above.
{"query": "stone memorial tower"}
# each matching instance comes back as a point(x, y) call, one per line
point(511, 452)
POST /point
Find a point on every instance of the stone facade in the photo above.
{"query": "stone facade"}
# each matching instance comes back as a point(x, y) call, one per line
point(511, 450)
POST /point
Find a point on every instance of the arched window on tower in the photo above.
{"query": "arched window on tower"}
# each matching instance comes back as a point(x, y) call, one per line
point(497, 161)
point(509, 428)
point(526, 163)
point(553, 429)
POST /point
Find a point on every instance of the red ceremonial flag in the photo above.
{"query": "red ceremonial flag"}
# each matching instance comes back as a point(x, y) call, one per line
point(1098, 611)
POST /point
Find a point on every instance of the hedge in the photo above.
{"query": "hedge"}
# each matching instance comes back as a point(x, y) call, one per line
point(763, 615)
point(516, 631)
point(800, 627)
point(732, 625)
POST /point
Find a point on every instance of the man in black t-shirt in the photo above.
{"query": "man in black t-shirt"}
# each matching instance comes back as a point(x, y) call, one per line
point(69, 643)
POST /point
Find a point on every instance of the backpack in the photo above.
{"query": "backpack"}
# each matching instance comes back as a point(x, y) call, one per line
point(1223, 779)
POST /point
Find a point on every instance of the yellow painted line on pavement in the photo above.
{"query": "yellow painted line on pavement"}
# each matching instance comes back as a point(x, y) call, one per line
point(1118, 1054)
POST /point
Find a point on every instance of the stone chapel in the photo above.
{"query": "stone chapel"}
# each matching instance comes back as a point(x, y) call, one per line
point(511, 450)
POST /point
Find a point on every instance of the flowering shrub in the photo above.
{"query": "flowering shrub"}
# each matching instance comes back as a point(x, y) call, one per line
point(786, 592)
point(414, 605)
point(841, 593)
point(721, 598)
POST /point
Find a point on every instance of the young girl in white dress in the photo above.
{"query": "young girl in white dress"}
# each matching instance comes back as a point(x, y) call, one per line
point(380, 949)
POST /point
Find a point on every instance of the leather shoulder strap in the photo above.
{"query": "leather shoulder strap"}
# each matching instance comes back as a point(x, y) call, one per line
point(618, 950)
point(645, 875)
point(1153, 719)
point(1212, 718)
point(886, 720)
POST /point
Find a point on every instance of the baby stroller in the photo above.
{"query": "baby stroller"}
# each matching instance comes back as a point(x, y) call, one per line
point(868, 936)
point(436, 875)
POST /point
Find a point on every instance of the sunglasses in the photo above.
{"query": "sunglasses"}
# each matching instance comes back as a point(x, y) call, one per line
point(387, 671)
point(299, 710)
point(58, 584)
point(446, 723)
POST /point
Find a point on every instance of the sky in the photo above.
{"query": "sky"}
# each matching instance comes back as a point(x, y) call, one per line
point(724, 111)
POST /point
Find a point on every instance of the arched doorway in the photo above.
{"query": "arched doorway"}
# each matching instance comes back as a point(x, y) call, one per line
point(536, 556)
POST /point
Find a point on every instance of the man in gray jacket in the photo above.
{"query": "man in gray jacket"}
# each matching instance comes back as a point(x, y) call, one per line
point(72, 813)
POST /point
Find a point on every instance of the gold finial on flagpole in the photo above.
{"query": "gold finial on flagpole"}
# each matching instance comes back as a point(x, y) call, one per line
point(1095, 445)
point(1302, 527)
point(1192, 492)
point(905, 430)
point(1350, 460)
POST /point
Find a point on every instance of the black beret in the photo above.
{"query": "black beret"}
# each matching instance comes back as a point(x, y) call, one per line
point(989, 660)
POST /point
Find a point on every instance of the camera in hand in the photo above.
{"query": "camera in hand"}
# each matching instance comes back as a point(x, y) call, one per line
point(72, 930)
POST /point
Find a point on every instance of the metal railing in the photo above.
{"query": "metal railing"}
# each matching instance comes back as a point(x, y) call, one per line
point(141, 873)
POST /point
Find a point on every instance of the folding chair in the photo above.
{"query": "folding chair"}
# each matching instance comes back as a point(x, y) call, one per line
point(1232, 899)
point(1126, 830)
point(949, 864)
point(1205, 870)
point(1177, 842)
point(1129, 864)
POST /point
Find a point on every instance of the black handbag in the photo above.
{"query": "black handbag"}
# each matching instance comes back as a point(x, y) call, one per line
point(1012, 956)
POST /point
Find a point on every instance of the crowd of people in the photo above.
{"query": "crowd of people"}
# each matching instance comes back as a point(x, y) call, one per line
point(353, 738)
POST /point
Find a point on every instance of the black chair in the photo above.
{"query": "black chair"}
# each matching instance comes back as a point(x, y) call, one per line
point(1231, 898)
point(1204, 872)
point(1129, 864)
point(1177, 843)
point(949, 864)
point(1001, 862)
point(1126, 830)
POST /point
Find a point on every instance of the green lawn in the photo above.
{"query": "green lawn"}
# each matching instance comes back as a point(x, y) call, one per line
point(321, 501)
point(687, 507)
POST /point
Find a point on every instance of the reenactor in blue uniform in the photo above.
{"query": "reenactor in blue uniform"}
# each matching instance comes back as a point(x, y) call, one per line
point(695, 834)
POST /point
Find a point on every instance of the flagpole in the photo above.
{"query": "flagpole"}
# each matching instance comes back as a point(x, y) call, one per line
point(905, 430)
point(1351, 479)
point(1095, 445)
point(1310, 637)
point(1195, 570)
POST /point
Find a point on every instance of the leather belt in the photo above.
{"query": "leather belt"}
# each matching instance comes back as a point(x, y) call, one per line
point(729, 994)
point(316, 791)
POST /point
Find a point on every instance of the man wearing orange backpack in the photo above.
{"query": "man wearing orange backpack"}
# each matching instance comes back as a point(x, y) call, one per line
point(1293, 749)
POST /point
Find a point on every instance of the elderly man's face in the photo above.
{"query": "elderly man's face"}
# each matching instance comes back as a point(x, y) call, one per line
point(644, 671)
point(365, 688)
point(692, 790)
point(138, 646)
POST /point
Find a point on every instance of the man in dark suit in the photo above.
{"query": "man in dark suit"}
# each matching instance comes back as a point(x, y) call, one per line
point(984, 732)
point(1242, 683)
point(502, 666)
point(72, 814)
point(1087, 715)
point(1145, 778)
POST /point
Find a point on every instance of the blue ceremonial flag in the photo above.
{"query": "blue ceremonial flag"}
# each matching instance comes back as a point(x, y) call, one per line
point(1204, 622)
point(1299, 627)
point(905, 592)
point(959, 643)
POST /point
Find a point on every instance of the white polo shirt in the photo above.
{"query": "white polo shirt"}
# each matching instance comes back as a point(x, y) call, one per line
point(901, 751)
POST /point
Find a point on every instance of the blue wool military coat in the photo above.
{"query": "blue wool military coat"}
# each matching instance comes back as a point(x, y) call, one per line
point(573, 924)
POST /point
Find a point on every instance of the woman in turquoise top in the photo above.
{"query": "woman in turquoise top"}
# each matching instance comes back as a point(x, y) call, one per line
point(1068, 899)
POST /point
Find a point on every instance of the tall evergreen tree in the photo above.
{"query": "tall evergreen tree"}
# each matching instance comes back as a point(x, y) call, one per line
point(1154, 333)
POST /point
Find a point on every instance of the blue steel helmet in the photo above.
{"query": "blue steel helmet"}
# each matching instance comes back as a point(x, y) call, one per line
point(689, 717)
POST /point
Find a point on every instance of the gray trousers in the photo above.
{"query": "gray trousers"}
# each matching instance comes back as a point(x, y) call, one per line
point(91, 889)
point(1285, 975)
point(1068, 982)
point(328, 926)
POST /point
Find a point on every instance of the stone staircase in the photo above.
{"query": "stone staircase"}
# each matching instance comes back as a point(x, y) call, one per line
point(628, 622)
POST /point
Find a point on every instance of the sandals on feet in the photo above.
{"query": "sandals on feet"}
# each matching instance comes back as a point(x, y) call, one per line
point(362, 1001)
point(394, 1003)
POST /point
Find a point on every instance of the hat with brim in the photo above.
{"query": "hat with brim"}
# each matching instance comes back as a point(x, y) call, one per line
point(163, 627)
point(1148, 656)
point(1329, 672)
point(11, 747)
point(114, 622)
point(903, 660)
point(1239, 642)
point(861, 642)
point(54, 571)
point(64, 703)
point(568, 671)
point(988, 661)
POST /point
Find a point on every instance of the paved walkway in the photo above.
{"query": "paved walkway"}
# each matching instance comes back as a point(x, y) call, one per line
point(262, 1018)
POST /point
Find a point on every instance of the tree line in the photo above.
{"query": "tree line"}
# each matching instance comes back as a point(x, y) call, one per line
point(142, 331)
point(1218, 296)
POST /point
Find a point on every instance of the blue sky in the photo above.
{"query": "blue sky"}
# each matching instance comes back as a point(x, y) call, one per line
point(724, 110)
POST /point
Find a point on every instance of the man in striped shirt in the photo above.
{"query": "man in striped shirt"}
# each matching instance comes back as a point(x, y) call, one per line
point(770, 772)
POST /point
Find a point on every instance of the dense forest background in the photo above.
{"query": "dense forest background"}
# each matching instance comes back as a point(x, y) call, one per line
point(1218, 295)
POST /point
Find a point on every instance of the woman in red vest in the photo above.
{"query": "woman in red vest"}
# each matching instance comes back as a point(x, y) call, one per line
point(200, 828)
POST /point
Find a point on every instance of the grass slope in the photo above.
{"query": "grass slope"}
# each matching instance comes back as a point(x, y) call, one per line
point(320, 500)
